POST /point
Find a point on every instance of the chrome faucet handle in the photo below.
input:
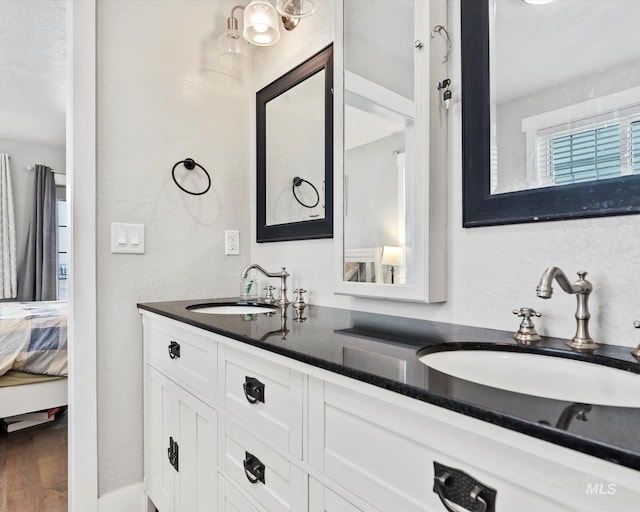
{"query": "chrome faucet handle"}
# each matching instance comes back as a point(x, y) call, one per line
point(526, 334)
point(299, 304)
point(636, 351)
point(526, 312)
point(269, 298)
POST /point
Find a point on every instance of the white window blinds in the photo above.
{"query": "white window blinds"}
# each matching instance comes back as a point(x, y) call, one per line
point(596, 148)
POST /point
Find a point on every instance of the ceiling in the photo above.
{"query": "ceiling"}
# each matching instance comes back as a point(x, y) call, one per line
point(33, 70)
point(538, 46)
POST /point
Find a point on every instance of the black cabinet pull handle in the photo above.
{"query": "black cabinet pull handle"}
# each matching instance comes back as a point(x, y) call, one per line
point(172, 453)
point(174, 350)
point(253, 469)
point(460, 492)
point(253, 390)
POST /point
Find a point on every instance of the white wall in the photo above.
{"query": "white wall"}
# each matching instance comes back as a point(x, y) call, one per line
point(155, 108)
point(492, 270)
point(26, 153)
point(372, 212)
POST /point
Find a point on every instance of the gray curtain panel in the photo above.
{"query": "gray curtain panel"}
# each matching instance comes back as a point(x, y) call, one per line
point(37, 279)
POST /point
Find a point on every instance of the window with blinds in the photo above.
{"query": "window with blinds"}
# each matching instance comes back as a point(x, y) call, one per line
point(635, 146)
point(598, 148)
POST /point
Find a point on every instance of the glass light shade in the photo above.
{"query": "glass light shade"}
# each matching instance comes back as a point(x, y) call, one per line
point(261, 23)
point(232, 50)
point(537, 2)
point(295, 8)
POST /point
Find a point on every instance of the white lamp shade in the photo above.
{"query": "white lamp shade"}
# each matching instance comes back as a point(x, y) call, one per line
point(392, 256)
point(261, 23)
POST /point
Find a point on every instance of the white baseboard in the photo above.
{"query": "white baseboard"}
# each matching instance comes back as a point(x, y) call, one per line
point(127, 499)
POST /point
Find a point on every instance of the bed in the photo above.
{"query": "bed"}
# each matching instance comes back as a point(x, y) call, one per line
point(363, 264)
point(33, 356)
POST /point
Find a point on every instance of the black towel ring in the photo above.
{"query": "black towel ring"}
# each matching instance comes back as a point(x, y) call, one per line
point(190, 164)
point(297, 181)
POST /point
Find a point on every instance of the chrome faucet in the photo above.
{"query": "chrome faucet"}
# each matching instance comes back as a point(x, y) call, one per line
point(581, 289)
point(569, 413)
point(636, 351)
point(283, 274)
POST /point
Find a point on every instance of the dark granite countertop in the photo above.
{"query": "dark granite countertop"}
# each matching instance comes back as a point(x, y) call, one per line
point(381, 350)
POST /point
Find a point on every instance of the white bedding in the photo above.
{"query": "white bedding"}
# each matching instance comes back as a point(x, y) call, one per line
point(33, 337)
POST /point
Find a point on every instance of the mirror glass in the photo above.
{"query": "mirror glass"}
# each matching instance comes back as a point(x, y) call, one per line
point(294, 124)
point(379, 141)
point(565, 92)
point(559, 137)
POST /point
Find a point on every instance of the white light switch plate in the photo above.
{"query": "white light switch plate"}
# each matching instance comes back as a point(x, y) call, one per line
point(127, 238)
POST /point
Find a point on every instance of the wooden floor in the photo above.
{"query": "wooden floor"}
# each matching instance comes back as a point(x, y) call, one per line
point(33, 468)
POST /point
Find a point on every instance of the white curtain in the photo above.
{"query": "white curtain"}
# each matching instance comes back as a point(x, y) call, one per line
point(8, 271)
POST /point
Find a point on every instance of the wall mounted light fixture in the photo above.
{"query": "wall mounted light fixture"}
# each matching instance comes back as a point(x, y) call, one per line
point(234, 53)
point(260, 21)
point(292, 11)
point(261, 27)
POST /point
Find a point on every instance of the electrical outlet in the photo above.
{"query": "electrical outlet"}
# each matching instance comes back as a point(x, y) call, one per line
point(231, 242)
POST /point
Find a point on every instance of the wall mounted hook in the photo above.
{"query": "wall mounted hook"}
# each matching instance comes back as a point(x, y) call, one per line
point(440, 29)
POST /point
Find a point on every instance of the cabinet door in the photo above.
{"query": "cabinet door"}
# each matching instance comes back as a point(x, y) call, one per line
point(196, 482)
point(160, 426)
point(172, 414)
point(351, 444)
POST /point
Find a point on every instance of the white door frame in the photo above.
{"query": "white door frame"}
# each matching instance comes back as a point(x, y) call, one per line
point(81, 196)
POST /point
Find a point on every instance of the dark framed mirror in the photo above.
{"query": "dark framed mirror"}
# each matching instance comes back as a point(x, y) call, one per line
point(294, 129)
point(579, 158)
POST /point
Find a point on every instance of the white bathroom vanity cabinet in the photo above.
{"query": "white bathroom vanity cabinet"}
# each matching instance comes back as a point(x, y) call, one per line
point(230, 427)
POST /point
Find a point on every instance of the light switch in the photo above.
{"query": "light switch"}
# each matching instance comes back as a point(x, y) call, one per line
point(127, 238)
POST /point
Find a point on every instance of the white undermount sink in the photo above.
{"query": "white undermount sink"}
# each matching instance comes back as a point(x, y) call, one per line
point(231, 308)
point(537, 374)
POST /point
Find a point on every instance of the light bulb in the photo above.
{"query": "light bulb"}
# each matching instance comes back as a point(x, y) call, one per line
point(261, 23)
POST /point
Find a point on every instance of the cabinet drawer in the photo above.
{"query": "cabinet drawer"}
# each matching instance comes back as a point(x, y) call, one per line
point(185, 356)
point(384, 454)
point(264, 395)
point(322, 499)
point(260, 471)
point(230, 500)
